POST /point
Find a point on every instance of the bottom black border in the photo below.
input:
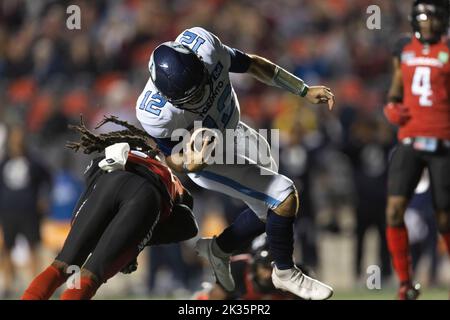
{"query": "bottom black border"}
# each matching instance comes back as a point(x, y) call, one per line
point(189, 309)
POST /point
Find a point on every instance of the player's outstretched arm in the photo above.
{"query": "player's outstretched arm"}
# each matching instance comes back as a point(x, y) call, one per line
point(272, 74)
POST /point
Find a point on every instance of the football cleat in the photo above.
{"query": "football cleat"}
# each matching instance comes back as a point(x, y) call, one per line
point(220, 265)
point(296, 282)
point(409, 292)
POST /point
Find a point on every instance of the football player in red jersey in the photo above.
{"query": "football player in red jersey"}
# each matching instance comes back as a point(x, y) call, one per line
point(419, 104)
point(131, 200)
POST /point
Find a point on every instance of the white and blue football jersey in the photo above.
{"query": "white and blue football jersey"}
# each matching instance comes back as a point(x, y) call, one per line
point(219, 106)
point(258, 184)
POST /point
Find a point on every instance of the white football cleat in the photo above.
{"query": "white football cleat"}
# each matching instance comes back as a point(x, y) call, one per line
point(220, 264)
point(296, 282)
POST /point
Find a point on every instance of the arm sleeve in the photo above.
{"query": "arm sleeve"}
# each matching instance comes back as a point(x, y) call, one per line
point(239, 61)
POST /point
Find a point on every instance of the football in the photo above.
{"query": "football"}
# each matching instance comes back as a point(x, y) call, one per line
point(200, 135)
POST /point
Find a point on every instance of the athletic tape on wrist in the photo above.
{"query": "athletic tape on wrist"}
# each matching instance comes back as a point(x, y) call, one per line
point(286, 80)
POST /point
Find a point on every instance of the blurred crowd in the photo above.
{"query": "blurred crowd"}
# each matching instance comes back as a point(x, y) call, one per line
point(49, 75)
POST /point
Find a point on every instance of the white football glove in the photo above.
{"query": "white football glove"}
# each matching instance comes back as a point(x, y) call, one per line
point(116, 157)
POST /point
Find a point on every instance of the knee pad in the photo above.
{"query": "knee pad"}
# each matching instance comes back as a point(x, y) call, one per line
point(289, 207)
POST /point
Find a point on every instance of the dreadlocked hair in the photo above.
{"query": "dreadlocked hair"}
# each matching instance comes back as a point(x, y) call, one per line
point(89, 142)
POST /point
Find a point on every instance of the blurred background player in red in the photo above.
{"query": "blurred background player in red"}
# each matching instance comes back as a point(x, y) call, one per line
point(419, 104)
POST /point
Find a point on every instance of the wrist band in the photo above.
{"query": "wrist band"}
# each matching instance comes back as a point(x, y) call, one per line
point(305, 91)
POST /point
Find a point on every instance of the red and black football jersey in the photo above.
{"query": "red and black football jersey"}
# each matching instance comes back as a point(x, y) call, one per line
point(426, 87)
point(170, 182)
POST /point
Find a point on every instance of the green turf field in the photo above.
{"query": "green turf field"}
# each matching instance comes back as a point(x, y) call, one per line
point(360, 294)
point(388, 294)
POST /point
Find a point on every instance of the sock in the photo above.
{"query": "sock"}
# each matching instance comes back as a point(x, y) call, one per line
point(446, 237)
point(44, 285)
point(88, 288)
point(280, 236)
point(398, 245)
point(245, 228)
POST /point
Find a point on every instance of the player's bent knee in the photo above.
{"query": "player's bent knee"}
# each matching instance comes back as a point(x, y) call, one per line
point(289, 207)
point(395, 211)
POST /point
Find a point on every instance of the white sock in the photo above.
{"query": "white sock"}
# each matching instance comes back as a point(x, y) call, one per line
point(284, 274)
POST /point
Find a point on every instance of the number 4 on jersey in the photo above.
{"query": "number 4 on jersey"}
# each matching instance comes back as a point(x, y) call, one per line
point(421, 86)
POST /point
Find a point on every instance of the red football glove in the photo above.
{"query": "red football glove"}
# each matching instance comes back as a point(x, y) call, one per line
point(396, 113)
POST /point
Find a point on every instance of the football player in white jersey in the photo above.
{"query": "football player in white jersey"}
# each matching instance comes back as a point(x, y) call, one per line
point(190, 81)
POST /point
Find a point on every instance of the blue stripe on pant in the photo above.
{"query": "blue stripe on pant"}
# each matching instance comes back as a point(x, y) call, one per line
point(239, 187)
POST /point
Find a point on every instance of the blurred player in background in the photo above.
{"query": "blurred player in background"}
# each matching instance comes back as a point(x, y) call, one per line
point(419, 103)
point(131, 200)
point(190, 81)
point(23, 202)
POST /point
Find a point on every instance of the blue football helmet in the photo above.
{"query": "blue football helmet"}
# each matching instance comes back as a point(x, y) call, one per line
point(179, 74)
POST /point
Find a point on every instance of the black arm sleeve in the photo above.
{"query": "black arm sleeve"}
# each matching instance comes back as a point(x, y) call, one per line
point(240, 61)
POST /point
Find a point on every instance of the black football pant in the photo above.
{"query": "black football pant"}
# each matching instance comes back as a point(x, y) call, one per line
point(113, 222)
point(405, 170)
